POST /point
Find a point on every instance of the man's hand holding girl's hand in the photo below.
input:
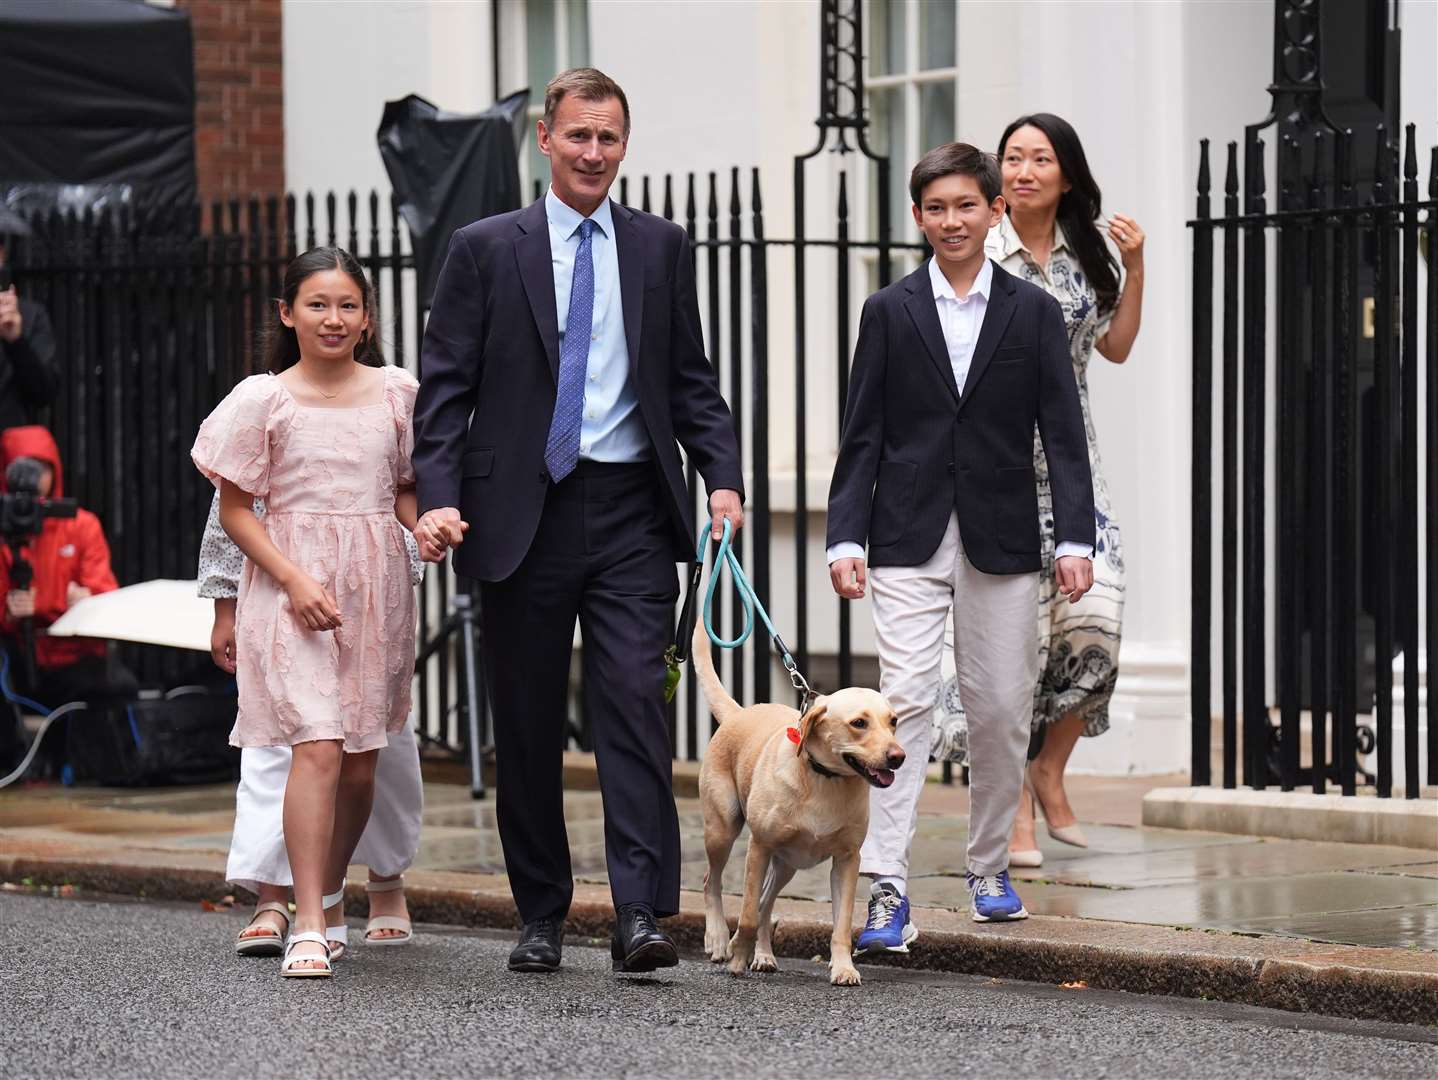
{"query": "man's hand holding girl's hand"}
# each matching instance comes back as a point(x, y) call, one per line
point(437, 531)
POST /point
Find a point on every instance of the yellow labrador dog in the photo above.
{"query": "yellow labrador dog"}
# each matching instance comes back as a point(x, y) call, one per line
point(801, 784)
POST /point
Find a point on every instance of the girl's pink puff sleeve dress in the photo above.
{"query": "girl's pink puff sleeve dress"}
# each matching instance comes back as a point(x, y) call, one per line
point(328, 477)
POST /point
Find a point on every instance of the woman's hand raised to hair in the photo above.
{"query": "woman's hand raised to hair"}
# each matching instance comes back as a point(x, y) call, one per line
point(312, 606)
point(1129, 237)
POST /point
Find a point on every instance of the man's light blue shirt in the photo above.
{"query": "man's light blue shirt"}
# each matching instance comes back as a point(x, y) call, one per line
point(612, 428)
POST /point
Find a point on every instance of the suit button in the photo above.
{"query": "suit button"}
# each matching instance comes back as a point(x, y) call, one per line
point(544, 478)
point(951, 467)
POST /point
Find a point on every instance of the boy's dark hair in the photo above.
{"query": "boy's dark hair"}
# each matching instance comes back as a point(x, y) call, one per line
point(282, 347)
point(956, 159)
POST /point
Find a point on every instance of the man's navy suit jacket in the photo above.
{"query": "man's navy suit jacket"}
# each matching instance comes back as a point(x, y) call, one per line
point(489, 371)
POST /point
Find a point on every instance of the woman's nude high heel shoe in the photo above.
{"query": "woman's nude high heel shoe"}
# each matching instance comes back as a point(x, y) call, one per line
point(1028, 858)
point(1064, 834)
point(1067, 834)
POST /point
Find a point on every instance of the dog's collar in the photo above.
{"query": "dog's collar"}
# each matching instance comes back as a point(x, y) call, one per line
point(828, 773)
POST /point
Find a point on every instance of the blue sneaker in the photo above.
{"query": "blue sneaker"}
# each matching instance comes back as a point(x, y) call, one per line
point(888, 928)
point(994, 899)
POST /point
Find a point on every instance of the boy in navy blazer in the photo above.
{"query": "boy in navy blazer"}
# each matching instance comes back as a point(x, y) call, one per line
point(955, 366)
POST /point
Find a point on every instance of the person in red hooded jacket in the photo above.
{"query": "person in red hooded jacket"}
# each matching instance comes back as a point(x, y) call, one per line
point(71, 560)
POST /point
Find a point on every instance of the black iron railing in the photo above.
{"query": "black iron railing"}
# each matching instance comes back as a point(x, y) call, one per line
point(1352, 265)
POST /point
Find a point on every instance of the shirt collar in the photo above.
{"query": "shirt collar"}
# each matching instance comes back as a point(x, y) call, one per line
point(1009, 242)
point(567, 219)
point(944, 291)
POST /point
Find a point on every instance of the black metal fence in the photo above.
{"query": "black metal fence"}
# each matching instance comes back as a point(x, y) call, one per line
point(1351, 281)
point(155, 325)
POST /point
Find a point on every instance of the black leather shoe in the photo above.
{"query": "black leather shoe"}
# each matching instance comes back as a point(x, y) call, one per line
point(639, 944)
point(539, 946)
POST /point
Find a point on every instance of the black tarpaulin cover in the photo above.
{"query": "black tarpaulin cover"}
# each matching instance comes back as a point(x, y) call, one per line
point(98, 92)
point(449, 169)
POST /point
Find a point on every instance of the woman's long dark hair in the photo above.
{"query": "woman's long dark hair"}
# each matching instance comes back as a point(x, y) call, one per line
point(1079, 206)
point(282, 347)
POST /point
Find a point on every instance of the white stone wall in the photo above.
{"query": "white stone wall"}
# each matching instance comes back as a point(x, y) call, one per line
point(344, 60)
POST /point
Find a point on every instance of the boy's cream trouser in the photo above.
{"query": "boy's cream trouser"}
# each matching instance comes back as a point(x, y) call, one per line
point(996, 655)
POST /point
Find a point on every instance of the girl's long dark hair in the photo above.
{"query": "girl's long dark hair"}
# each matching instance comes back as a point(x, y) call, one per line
point(282, 348)
point(1079, 206)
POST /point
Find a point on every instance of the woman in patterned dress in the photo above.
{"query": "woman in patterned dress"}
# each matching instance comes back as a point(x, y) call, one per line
point(1051, 237)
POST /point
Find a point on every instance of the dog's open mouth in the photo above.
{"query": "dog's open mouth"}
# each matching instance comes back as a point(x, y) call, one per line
point(876, 777)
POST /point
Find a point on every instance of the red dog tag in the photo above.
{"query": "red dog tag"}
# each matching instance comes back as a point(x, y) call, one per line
point(794, 735)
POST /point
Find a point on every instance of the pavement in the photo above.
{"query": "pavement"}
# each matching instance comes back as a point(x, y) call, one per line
point(1335, 929)
point(134, 989)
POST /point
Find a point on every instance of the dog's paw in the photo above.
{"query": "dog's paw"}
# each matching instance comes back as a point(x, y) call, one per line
point(764, 963)
point(716, 945)
point(844, 976)
point(741, 952)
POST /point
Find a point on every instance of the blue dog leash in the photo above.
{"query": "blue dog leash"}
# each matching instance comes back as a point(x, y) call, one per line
point(725, 557)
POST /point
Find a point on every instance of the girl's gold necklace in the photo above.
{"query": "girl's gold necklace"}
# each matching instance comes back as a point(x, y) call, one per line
point(319, 390)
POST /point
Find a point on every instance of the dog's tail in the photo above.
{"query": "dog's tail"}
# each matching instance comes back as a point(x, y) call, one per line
point(721, 704)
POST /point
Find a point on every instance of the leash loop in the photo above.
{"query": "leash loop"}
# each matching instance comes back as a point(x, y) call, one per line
point(725, 558)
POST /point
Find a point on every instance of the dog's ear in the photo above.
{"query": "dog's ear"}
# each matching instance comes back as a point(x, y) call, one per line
point(807, 722)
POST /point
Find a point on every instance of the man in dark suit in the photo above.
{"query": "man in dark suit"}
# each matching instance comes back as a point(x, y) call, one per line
point(954, 367)
point(562, 361)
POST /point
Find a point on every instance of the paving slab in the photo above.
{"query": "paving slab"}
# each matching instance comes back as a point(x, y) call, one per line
point(1249, 904)
point(1403, 928)
point(1415, 870)
point(1222, 861)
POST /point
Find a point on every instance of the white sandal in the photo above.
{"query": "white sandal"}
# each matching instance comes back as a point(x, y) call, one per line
point(288, 969)
point(338, 936)
point(267, 944)
point(388, 922)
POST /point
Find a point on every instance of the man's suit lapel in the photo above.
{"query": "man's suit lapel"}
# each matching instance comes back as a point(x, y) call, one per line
point(925, 314)
point(536, 271)
point(996, 321)
point(631, 281)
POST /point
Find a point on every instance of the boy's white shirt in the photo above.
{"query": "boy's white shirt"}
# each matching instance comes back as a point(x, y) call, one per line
point(961, 318)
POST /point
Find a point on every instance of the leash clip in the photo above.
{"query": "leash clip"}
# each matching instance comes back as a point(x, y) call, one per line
point(807, 693)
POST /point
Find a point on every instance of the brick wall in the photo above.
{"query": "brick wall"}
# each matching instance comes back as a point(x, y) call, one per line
point(239, 92)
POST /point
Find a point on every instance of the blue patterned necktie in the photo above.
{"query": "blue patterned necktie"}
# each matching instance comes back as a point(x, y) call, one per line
point(561, 451)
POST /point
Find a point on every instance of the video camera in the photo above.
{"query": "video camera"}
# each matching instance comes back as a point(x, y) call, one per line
point(22, 510)
point(22, 517)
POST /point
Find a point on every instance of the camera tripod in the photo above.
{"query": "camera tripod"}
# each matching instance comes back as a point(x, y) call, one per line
point(22, 576)
point(461, 620)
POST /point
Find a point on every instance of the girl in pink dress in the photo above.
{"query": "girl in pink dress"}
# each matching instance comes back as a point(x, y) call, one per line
point(325, 623)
